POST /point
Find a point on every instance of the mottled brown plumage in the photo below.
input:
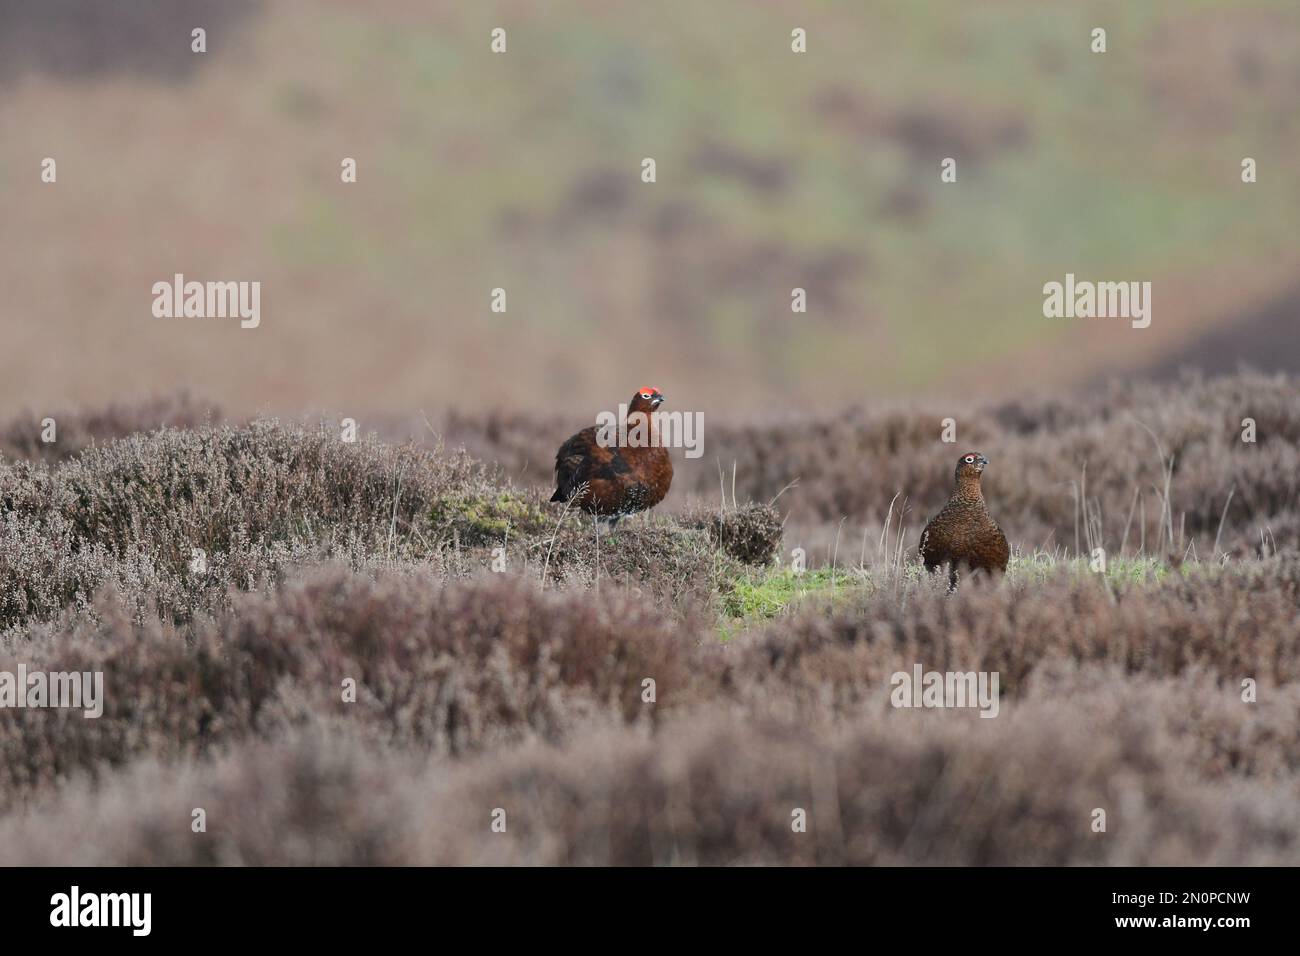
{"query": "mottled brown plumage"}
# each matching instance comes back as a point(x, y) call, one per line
point(963, 534)
point(614, 479)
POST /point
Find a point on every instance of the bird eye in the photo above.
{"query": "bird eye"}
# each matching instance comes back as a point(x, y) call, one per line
point(645, 395)
point(970, 459)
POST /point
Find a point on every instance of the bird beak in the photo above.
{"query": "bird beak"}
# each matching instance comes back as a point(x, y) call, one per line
point(656, 401)
point(983, 460)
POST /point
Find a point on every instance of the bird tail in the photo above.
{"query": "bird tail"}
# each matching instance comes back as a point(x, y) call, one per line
point(558, 496)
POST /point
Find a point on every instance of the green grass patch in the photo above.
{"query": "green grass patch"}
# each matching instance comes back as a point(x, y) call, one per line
point(1146, 569)
point(481, 520)
point(760, 596)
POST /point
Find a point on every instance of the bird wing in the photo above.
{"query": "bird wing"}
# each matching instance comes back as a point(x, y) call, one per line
point(574, 462)
point(929, 546)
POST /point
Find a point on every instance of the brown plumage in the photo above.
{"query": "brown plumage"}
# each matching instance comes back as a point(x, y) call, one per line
point(616, 479)
point(963, 534)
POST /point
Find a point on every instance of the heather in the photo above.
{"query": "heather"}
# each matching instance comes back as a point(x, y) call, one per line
point(356, 652)
point(1140, 467)
point(883, 790)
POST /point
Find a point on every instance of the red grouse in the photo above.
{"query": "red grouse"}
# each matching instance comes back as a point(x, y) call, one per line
point(963, 535)
point(612, 475)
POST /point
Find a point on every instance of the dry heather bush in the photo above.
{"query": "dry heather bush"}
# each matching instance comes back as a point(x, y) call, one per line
point(483, 691)
point(48, 572)
point(261, 499)
point(750, 533)
point(1220, 737)
point(668, 560)
point(322, 798)
point(20, 438)
point(215, 488)
point(853, 463)
point(255, 500)
point(911, 787)
point(1230, 624)
point(856, 463)
point(1131, 705)
point(448, 667)
point(675, 559)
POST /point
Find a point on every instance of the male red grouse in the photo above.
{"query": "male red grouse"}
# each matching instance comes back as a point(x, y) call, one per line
point(611, 479)
point(963, 535)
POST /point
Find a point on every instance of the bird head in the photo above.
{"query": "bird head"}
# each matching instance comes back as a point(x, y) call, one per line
point(646, 400)
point(971, 465)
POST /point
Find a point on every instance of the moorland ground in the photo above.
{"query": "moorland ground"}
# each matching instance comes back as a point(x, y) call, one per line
point(525, 689)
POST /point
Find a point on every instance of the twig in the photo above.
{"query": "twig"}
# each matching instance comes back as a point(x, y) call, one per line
point(836, 553)
point(783, 491)
point(392, 527)
point(1129, 523)
point(564, 514)
point(1223, 517)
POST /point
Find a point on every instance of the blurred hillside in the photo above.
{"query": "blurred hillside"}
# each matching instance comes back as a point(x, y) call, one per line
point(522, 171)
